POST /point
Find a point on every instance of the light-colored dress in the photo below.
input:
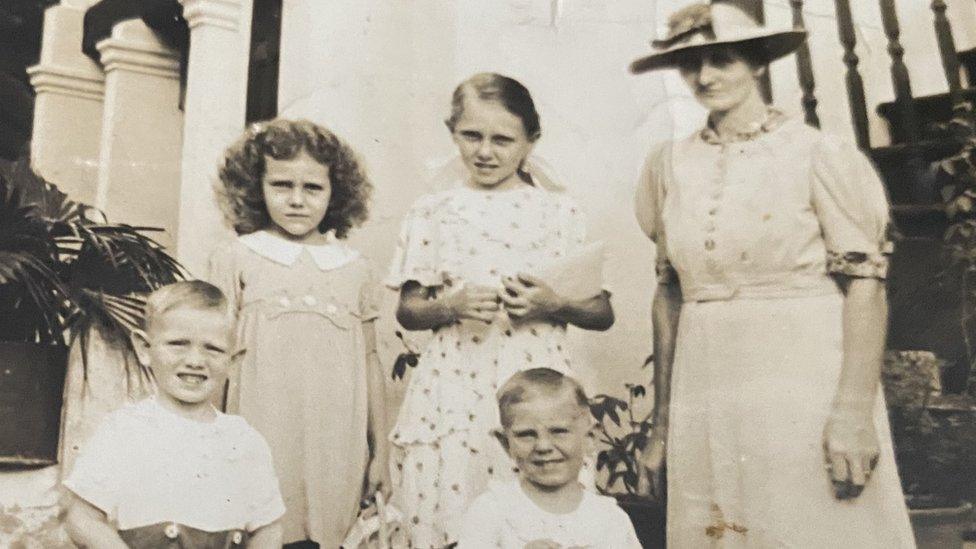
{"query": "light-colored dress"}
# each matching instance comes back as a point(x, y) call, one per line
point(443, 452)
point(147, 465)
point(752, 228)
point(504, 517)
point(302, 380)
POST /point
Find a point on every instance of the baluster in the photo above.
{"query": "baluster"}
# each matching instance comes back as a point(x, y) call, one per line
point(947, 49)
point(855, 84)
point(907, 119)
point(804, 68)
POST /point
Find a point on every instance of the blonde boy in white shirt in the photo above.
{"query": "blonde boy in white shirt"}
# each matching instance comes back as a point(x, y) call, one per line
point(546, 422)
point(172, 467)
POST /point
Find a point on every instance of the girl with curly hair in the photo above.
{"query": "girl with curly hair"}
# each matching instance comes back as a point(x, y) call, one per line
point(310, 379)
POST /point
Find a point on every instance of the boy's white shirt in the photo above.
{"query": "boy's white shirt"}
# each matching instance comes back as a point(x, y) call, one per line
point(327, 256)
point(504, 516)
point(146, 465)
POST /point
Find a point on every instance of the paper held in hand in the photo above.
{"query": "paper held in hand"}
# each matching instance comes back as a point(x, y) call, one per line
point(578, 275)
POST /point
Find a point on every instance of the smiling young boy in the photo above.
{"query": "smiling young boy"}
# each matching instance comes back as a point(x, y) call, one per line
point(171, 468)
point(546, 422)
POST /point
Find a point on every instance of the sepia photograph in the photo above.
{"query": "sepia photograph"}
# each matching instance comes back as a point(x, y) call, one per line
point(474, 274)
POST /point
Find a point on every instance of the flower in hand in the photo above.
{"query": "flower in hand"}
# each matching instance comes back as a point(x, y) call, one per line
point(527, 298)
point(850, 452)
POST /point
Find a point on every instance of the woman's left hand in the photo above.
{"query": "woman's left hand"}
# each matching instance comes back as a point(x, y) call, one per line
point(526, 298)
point(851, 451)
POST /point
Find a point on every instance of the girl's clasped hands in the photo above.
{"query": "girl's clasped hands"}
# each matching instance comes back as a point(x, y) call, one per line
point(523, 298)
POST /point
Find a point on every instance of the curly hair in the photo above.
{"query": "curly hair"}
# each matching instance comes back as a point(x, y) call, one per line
point(243, 167)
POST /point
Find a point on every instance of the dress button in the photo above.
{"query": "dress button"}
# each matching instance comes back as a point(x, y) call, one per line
point(309, 300)
point(709, 244)
point(284, 302)
point(331, 309)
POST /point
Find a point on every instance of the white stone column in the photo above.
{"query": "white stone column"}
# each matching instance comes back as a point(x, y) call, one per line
point(214, 116)
point(141, 142)
point(68, 105)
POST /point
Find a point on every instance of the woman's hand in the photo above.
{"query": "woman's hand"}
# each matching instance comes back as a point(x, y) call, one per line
point(851, 451)
point(651, 480)
point(527, 298)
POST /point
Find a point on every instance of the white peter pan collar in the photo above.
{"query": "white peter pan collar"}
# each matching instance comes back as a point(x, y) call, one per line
point(331, 255)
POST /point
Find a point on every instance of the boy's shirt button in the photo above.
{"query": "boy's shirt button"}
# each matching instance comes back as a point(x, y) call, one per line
point(172, 531)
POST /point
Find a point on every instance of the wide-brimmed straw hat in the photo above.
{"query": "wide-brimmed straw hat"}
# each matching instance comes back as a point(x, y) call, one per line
point(714, 23)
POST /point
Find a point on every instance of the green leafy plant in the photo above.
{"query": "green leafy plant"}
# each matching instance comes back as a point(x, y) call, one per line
point(65, 271)
point(956, 178)
point(622, 433)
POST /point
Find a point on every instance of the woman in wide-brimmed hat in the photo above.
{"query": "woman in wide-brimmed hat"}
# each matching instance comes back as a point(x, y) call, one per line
point(770, 311)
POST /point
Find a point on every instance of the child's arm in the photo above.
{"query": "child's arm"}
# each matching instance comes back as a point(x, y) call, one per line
point(268, 536)
point(88, 526)
point(376, 396)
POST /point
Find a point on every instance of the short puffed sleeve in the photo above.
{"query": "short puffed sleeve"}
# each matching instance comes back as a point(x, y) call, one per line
point(223, 272)
point(649, 202)
point(265, 505)
point(370, 295)
point(852, 208)
point(96, 476)
point(417, 255)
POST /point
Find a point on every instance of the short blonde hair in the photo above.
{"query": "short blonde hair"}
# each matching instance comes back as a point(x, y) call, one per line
point(535, 382)
point(194, 294)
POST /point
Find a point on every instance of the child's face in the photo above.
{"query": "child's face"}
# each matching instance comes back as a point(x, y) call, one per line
point(189, 351)
point(547, 440)
point(297, 193)
point(492, 143)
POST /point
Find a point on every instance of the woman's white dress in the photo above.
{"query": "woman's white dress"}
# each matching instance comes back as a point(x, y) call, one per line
point(753, 229)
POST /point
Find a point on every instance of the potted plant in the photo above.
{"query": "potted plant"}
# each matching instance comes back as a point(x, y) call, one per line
point(621, 432)
point(65, 274)
point(934, 431)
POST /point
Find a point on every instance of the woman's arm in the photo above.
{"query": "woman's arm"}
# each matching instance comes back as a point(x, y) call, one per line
point(419, 309)
point(529, 298)
point(266, 537)
point(88, 527)
point(665, 314)
point(376, 396)
point(850, 438)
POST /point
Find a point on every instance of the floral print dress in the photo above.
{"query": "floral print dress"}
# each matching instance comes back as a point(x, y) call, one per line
point(443, 452)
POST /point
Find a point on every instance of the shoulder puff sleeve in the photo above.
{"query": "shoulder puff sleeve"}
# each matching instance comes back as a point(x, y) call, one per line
point(649, 202)
point(416, 257)
point(852, 207)
point(480, 525)
point(95, 477)
point(266, 504)
point(223, 273)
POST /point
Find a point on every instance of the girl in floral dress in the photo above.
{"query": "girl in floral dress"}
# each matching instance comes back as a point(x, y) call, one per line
point(463, 268)
point(310, 380)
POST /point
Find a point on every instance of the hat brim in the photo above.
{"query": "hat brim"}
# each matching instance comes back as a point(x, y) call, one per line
point(773, 44)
